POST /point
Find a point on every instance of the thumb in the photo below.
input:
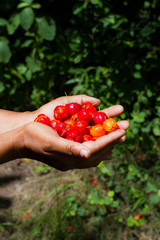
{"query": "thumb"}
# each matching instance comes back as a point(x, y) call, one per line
point(64, 146)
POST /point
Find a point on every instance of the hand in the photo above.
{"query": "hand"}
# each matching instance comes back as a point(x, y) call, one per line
point(49, 107)
point(40, 142)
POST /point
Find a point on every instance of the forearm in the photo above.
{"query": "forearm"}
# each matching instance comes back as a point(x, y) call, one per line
point(10, 145)
point(10, 120)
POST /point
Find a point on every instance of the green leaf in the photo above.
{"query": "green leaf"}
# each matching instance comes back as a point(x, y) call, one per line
point(26, 43)
point(73, 81)
point(5, 53)
point(138, 66)
point(156, 126)
point(46, 28)
point(108, 20)
point(129, 43)
point(36, 5)
point(13, 24)
point(18, 75)
point(157, 111)
point(156, 130)
point(2, 87)
point(21, 68)
point(26, 18)
point(81, 211)
point(102, 211)
point(154, 198)
point(101, 201)
point(137, 75)
point(3, 22)
point(27, 1)
point(22, 5)
point(150, 187)
point(111, 194)
point(147, 128)
point(79, 9)
point(107, 200)
point(42, 169)
point(149, 93)
point(77, 59)
point(146, 4)
point(28, 75)
point(32, 64)
point(97, 2)
point(139, 117)
point(4, 39)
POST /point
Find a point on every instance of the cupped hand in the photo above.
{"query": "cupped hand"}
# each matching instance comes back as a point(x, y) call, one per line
point(42, 143)
point(111, 111)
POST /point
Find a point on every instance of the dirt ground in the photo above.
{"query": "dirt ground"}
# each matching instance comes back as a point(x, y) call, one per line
point(20, 184)
point(17, 181)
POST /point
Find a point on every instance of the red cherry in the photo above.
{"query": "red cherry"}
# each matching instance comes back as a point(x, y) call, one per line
point(79, 138)
point(83, 114)
point(80, 125)
point(74, 118)
point(70, 138)
point(55, 124)
point(72, 108)
point(117, 127)
point(63, 129)
point(60, 113)
point(72, 133)
point(42, 118)
point(88, 106)
point(62, 125)
point(68, 121)
point(86, 131)
point(62, 132)
point(99, 117)
point(87, 137)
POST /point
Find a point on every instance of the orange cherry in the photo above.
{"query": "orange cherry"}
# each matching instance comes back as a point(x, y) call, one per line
point(97, 131)
point(109, 123)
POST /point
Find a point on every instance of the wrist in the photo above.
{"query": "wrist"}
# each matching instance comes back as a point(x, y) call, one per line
point(19, 142)
point(11, 145)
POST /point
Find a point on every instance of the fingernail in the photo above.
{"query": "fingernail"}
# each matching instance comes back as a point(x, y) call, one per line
point(84, 153)
point(123, 138)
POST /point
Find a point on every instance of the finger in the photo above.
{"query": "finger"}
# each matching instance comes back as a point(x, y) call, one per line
point(121, 140)
point(103, 141)
point(65, 147)
point(80, 99)
point(123, 124)
point(113, 111)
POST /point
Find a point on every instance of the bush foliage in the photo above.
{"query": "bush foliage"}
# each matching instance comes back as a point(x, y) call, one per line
point(107, 49)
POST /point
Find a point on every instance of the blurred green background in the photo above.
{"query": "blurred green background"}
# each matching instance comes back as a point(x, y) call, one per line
point(102, 48)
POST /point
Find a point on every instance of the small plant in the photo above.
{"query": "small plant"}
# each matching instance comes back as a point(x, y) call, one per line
point(43, 169)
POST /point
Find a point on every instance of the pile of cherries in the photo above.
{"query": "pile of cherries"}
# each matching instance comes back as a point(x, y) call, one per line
point(79, 123)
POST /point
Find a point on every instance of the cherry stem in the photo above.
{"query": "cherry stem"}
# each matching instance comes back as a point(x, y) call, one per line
point(67, 97)
point(94, 103)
